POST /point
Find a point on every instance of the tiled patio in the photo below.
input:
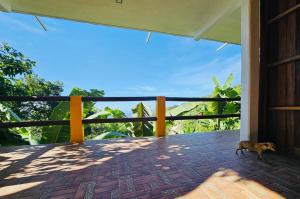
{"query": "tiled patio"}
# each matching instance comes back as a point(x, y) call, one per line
point(185, 166)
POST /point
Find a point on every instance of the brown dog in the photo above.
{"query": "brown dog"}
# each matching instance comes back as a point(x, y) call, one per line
point(258, 147)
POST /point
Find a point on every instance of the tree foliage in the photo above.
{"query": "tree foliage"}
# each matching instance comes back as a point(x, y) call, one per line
point(15, 137)
point(12, 64)
point(218, 108)
point(209, 108)
point(58, 133)
point(110, 135)
point(141, 129)
point(17, 78)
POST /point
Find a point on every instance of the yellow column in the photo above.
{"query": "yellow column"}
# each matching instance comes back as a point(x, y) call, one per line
point(76, 110)
point(161, 116)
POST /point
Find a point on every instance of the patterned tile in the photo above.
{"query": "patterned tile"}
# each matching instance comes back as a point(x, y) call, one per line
point(202, 165)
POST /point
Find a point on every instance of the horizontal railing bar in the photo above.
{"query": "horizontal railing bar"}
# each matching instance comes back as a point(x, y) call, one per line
point(286, 108)
point(201, 99)
point(117, 99)
point(197, 117)
point(285, 13)
point(118, 120)
point(110, 120)
point(33, 123)
point(67, 98)
point(34, 98)
point(285, 61)
point(113, 99)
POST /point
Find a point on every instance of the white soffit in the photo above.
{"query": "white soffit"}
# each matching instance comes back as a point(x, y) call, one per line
point(209, 19)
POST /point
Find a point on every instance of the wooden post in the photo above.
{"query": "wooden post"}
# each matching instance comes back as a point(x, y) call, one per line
point(76, 110)
point(161, 116)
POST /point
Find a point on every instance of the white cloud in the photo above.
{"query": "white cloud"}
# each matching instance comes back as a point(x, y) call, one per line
point(5, 18)
point(152, 91)
point(33, 27)
point(143, 89)
point(196, 80)
point(202, 75)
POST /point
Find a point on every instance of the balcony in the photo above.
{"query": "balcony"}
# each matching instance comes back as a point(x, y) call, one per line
point(188, 166)
point(182, 166)
point(199, 165)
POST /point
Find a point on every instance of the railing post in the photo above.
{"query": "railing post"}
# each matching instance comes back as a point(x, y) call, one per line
point(76, 110)
point(161, 116)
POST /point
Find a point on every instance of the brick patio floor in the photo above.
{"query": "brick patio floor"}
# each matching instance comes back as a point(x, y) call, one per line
point(184, 166)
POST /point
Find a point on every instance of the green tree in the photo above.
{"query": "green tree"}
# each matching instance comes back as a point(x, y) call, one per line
point(208, 108)
point(109, 130)
point(17, 79)
point(8, 138)
point(218, 108)
point(35, 86)
point(141, 129)
point(12, 65)
point(54, 134)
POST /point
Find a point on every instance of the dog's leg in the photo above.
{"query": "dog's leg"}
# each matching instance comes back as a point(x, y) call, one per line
point(262, 157)
point(236, 151)
point(242, 151)
point(259, 155)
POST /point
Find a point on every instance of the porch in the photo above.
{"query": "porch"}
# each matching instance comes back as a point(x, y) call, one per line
point(200, 165)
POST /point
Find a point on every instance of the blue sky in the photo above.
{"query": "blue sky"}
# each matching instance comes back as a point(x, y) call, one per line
point(118, 60)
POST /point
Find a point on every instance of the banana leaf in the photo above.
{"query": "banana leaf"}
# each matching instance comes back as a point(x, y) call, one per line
point(183, 108)
point(142, 128)
point(24, 132)
point(110, 135)
point(53, 134)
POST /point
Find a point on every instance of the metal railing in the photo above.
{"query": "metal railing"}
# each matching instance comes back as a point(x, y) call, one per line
point(76, 121)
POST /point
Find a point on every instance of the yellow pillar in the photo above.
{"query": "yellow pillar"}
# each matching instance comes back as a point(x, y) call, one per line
point(76, 110)
point(161, 116)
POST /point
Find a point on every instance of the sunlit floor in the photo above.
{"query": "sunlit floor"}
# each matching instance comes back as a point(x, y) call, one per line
point(185, 166)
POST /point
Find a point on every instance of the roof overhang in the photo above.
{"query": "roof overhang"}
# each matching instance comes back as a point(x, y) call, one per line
point(208, 19)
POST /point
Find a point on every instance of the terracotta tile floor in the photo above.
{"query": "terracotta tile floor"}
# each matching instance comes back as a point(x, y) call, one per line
point(184, 166)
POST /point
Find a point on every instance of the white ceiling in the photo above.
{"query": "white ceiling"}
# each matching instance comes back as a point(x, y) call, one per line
point(209, 19)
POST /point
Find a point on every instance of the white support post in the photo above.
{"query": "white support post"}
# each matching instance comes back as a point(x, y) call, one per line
point(250, 69)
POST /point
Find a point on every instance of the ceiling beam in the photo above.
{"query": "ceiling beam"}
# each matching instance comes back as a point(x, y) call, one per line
point(5, 5)
point(226, 10)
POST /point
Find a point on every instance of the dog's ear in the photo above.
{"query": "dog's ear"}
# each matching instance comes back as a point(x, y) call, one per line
point(273, 145)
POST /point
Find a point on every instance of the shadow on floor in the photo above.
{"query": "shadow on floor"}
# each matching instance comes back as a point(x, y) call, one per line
point(202, 165)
